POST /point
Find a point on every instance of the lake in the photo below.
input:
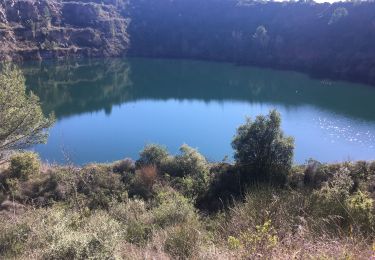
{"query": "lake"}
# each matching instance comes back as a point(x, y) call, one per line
point(109, 109)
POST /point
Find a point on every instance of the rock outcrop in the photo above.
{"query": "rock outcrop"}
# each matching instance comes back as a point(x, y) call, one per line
point(38, 29)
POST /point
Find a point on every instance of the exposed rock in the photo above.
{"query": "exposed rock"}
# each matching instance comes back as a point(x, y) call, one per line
point(37, 29)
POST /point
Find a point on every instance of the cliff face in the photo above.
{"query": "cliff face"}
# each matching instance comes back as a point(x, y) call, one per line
point(37, 29)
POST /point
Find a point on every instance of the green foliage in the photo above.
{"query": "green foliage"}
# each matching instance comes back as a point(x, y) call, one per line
point(188, 163)
point(100, 186)
point(24, 165)
point(69, 236)
point(152, 154)
point(182, 241)
point(225, 186)
point(361, 211)
point(190, 170)
point(262, 150)
point(13, 238)
point(329, 201)
point(296, 177)
point(22, 120)
point(172, 208)
point(234, 243)
point(261, 240)
point(136, 219)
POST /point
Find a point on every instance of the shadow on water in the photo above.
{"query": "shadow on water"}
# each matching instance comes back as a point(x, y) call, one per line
point(74, 87)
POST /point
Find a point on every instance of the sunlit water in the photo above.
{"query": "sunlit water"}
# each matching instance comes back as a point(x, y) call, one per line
point(110, 109)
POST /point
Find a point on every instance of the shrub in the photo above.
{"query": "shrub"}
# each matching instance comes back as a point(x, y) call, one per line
point(24, 165)
point(138, 232)
point(100, 185)
point(143, 182)
point(296, 177)
point(39, 190)
point(329, 203)
point(172, 208)
point(260, 241)
point(361, 210)
point(224, 187)
point(316, 174)
point(262, 151)
point(152, 154)
point(191, 170)
point(234, 243)
point(123, 166)
point(13, 238)
point(189, 163)
point(182, 241)
point(68, 235)
point(134, 216)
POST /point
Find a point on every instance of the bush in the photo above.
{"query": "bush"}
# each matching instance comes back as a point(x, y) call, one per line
point(123, 166)
point(64, 234)
point(225, 186)
point(134, 216)
point(316, 174)
point(334, 193)
point(282, 208)
point(152, 154)
point(12, 238)
point(138, 232)
point(296, 177)
point(190, 169)
point(39, 190)
point(24, 165)
point(262, 151)
point(100, 185)
point(172, 208)
point(189, 163)
point(182, 241)
point(260, 241)
point(143, 182)
point(361, 210)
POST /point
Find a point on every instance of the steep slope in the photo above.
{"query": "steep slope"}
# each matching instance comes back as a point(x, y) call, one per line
point(36, 29)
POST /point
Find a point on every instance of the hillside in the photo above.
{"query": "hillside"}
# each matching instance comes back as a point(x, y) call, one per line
point(33, 29)
point(325, 40)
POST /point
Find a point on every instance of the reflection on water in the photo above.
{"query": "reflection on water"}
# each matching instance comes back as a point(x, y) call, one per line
point(109, 109)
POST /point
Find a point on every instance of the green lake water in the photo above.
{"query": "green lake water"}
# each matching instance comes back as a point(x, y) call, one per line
point(108, 109)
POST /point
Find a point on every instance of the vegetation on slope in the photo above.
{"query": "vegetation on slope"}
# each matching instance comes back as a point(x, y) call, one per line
point(184, 207)
point(180, 206)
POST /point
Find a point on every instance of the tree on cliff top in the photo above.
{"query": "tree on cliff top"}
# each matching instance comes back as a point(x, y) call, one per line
point(22, 122)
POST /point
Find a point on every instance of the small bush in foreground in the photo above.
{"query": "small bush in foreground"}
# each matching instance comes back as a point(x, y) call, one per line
point(24, 165)
point(182, 241)
point(172, 208)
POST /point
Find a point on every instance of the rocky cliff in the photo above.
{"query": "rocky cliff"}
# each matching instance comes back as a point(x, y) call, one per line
point(37, 29)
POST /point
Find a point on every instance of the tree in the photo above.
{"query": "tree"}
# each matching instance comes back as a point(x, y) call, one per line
point(22, 122)
point(262, 152)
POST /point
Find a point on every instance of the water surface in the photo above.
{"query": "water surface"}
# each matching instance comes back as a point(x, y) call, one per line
point(109, 109)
